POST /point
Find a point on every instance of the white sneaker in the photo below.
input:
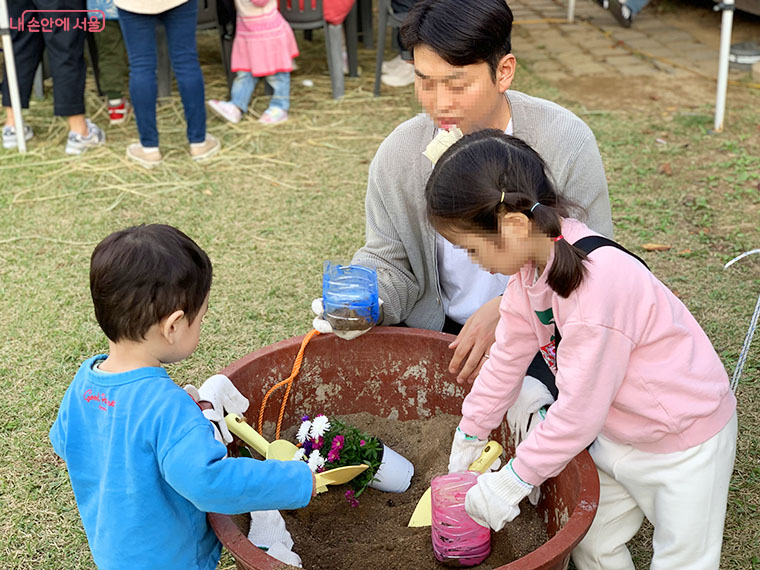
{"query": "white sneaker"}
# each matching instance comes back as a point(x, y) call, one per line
point(9, 136)
point(77, 144)
point(400, 77)
point(227, 110)
point(392, 64)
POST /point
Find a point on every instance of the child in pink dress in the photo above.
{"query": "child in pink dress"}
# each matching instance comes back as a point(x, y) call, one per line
point(264, 46)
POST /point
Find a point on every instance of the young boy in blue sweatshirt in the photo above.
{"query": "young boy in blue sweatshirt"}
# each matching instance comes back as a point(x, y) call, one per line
point(142, 459)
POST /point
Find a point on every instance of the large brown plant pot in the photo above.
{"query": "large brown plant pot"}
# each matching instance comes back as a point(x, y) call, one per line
point(400, 373)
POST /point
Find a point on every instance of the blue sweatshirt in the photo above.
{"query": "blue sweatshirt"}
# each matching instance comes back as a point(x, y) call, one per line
point(145, 468)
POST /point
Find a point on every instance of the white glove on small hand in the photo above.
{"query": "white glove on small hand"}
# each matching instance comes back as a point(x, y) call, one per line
point(493, 500)
point(225, 399)
point(465, 450)
point(268, 530)
point(320, 324)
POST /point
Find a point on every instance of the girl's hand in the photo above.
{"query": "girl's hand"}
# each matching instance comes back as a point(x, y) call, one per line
point(473, 342)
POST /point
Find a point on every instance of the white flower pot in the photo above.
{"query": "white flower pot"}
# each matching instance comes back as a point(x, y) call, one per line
point(394, 474)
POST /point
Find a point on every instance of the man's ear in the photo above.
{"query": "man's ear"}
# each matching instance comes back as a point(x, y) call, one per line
point(168, 326)
point(505, 72)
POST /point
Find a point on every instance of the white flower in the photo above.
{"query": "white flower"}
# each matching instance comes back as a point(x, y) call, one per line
point(319, 427)
point(300, 454)
point(316, 460)
point(303, 431)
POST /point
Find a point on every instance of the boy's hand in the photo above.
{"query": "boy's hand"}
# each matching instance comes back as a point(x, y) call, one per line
point(225, 399)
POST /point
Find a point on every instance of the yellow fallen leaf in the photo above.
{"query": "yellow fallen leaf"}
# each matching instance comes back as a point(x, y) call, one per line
point(655, 247)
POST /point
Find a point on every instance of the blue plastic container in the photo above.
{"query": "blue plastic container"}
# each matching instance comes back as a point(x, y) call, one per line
point(349, 296)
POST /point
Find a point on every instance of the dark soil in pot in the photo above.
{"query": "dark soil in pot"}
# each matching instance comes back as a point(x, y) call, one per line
point(329, 534)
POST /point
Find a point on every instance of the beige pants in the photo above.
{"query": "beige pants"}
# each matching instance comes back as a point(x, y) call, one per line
point(683, 495)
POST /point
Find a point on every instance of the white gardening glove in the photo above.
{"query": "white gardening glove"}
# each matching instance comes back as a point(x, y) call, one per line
point(209, 414)
point(526, 413)
point(464, 450)
point(493, 500)
point(225, 399)
point(320, 324)
point(268, 531)
point(533, 396)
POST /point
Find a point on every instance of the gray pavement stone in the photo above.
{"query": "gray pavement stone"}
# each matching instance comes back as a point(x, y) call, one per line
point(591, 68)
point(636, 70)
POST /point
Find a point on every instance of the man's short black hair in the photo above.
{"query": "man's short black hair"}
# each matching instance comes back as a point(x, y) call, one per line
point(143, 274)
point(461, 32)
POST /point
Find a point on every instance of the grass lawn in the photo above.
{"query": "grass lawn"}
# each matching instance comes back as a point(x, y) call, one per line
point(277, 202)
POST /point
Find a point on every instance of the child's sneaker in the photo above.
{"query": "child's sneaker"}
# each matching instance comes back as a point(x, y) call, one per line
point(9, 136)
point(77, 144)
point(273, 115)
point(227, 110)
point(622, 13)
point(147, 157)
point(118, 110)
point(206, 149)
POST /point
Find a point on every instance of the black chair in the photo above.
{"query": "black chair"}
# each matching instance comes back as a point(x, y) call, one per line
point(386, 18)
point(312, 18)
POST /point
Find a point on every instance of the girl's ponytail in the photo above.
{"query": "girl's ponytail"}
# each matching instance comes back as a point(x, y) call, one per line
point(567, 270)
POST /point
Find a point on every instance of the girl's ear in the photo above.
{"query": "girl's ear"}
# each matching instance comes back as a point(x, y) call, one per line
point(513, 225)
point(169, 326)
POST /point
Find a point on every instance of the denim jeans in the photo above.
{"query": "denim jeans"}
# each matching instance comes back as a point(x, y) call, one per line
point(139, 32)
point(636, 6)
point(245, 83)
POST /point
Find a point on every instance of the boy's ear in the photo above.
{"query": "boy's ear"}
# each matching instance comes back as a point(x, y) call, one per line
point(168, 326)
point(505, 72)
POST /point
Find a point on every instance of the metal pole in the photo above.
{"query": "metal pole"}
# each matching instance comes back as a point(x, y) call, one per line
point(10, 74)
point(725, 47)
point(571, 11)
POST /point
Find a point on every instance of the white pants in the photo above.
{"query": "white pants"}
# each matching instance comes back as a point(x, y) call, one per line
point(683, 494)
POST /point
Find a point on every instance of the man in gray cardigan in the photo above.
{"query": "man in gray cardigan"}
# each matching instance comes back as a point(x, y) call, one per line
point(463, 69)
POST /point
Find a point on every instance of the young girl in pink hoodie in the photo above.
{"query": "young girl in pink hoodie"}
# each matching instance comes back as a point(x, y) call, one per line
point(638, 379)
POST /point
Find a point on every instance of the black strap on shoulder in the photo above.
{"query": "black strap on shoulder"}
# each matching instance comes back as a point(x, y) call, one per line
point(590, 243)
point(587, 245)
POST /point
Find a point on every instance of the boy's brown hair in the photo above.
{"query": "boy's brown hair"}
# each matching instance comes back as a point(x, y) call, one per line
point(144, 273)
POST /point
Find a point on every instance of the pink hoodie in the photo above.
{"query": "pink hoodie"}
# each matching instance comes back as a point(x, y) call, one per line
point(634, 365)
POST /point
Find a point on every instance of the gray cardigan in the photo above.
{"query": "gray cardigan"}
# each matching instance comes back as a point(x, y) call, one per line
point(400, 242)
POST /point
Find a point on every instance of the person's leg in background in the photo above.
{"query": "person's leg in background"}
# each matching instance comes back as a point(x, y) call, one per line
point(27, 51)
point(397, 72)
point(65, 49)
point(180, 32)
point(139, 33)
point(626, 10)
point(277, 112)
point(113, 67)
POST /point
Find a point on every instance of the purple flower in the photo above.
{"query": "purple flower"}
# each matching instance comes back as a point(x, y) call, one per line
point(362, 443)
point(333, 455)
point(308, 447)
point(318, 443)
point(351, 498)
point(305, 419)
point(338, 442)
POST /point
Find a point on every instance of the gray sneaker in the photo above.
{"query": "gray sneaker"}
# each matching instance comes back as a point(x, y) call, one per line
point(77, 144)
point(9, 136)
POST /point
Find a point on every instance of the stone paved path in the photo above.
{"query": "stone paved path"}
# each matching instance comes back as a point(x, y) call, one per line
point(596, 45)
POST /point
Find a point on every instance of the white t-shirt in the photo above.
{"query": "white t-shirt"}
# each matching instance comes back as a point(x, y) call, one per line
point(465, 286)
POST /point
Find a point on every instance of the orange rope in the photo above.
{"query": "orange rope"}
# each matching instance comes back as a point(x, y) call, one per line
point(289, 382)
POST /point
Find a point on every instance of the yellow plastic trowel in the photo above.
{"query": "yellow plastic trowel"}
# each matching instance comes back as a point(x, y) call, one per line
point(285, 451)
point(280, 449)
point(422, 512)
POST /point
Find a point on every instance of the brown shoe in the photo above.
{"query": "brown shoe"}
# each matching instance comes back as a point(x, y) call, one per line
point(206, 149)
point(137, 153)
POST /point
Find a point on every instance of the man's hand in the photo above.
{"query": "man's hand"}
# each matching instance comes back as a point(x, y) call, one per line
point(473, 341)
point(320, 324)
